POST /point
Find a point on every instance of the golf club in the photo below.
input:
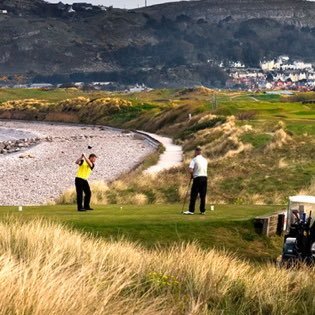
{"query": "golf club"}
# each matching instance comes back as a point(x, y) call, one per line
point(89, 148)
point(186, 195)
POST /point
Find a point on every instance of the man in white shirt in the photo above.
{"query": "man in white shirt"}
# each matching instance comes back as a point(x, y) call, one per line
point(198, 168)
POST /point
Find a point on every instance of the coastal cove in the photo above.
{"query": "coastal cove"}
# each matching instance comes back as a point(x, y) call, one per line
point(39, 174)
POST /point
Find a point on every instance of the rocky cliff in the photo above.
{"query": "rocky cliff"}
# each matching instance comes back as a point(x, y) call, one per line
point(294, 12)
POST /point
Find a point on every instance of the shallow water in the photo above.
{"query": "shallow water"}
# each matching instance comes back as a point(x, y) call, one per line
point(7, 134)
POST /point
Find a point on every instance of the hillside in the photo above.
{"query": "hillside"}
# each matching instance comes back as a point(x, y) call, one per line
point(174, 44)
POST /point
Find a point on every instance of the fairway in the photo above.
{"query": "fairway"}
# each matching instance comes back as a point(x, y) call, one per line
point(228, 227)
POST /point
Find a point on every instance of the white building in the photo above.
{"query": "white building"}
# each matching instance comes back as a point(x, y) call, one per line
point(267, 65)
point(237, 64)
point(282, 63)
point(268, 86)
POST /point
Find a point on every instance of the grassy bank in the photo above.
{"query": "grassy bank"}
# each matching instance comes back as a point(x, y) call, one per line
point(228, 227)
point(47, 269)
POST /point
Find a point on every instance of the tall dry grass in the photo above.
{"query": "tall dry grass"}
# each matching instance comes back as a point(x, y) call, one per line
point(99, 194)
point(136, 188)
point(309, 190)
point(47, 269)
point(26, 104)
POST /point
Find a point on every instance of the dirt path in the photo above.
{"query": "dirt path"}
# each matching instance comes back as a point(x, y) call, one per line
point(171, 157)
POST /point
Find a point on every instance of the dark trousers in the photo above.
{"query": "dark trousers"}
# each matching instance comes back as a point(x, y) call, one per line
point(199, 187)
point(82, 186)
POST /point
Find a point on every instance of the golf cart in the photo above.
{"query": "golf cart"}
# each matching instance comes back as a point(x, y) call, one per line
point(299, 241)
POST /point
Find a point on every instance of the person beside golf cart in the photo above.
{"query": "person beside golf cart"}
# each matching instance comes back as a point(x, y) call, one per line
point(86, 165)
point(198, 169)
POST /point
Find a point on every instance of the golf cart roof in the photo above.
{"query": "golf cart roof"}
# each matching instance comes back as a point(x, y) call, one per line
point(302, 199)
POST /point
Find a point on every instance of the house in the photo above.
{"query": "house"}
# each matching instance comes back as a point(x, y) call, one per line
point(268, 86)
point(280, 84)
point(267, 65)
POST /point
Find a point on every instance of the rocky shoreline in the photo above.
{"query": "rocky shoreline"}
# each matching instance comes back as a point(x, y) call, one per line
point(18, 145)
point(37, 170)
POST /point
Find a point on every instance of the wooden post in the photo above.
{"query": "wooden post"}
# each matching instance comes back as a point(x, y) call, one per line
point(270, 225)
point(280, 225)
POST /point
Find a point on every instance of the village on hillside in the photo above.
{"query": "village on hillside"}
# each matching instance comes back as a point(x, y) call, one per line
point(277, 74)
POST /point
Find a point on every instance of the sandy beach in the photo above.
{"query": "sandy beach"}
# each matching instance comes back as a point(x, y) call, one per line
point(39, 174)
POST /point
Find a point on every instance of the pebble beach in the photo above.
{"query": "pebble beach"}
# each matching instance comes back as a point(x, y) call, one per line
point(37, 172)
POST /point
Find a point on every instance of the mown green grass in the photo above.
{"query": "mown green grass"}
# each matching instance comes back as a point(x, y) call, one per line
point(267, 110)
point(267, 97)
point(228, 227)
point(256, 140)
point(266, 106)
point(299, 127)
point(54, 95)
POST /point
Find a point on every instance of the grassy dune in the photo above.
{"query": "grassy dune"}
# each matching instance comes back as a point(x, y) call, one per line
point(47, 269)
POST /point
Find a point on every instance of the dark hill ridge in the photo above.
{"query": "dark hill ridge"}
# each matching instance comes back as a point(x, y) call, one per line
point(164, 45)
point(297, 12)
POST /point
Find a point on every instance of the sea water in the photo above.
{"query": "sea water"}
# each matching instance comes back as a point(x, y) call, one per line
point(9, 134)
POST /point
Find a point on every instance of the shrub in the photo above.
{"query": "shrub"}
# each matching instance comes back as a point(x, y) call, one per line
point(98, 110)
point(73, 104)
point(248, 115)
point(204, 125)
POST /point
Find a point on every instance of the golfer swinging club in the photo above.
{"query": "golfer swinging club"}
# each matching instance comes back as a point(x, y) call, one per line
point(198, 168)
point(86, 166)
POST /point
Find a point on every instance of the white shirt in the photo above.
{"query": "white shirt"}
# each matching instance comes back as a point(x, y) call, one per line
point(199, 165)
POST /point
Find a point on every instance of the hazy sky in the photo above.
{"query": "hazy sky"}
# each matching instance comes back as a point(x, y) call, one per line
point(117, 3)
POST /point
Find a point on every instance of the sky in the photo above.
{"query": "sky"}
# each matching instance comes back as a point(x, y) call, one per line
point(128, 4)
